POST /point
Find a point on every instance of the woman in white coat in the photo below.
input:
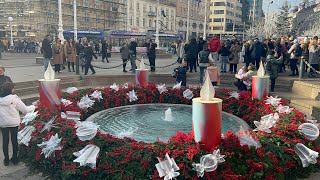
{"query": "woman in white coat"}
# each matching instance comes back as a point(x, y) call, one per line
point(10, 105)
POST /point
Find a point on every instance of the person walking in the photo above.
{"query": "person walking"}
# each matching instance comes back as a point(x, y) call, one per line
point(104, 50)
point(47, 51)
point(203, 58)
point(314, 57)
point(272, 67)
point(192, 54)
point(88, 54)
point(71, 54)
point(10, 105)
point(295, 53)
point(234, 57)
point(214, 46)
point(224, 56)
point(256, 52)
point(57, 56)
point(124, 50)
point(151, 53)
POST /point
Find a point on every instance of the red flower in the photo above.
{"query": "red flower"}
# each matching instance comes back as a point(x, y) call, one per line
point(289, 151)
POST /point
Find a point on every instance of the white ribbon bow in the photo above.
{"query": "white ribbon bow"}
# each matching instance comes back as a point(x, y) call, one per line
point(132, 96)
point(125, 85)
point(29, 117)
point(234, 94)
point(162, 88)
point(85, 102)
point(188, 94)
point(86, 130)
point(115, 87)
point(266, 122)
point(284, 109)
point(71, 90)
point(167, 168)
point(73, 115)
point(96, 95)
point(306, 155)
point(208, 163)
point(309, 130)
point(24, 136)
point(274, 101)
point(246, 138)
point(49, 125)
point(87, 156)
point(48, 147)
point(66, 102)
point(177, 86)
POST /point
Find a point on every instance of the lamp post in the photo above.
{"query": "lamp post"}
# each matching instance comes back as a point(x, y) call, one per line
point(60, 25)
point(10, 19)
point(75, 25)
point(205, 20)
point(188, 21)
point(157, 25)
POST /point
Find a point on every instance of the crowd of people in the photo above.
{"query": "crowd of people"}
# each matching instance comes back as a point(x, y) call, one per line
point(275, 55)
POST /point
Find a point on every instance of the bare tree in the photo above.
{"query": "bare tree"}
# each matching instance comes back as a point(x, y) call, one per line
point(313, 30)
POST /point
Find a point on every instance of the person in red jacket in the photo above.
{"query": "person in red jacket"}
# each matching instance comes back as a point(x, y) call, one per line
point(215, 46)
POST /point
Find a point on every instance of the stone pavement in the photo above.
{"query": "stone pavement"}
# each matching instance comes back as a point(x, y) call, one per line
point(23, 67)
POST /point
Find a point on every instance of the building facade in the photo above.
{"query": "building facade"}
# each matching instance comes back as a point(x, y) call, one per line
point(36, 18)
point(225, 17)
point(197, 17)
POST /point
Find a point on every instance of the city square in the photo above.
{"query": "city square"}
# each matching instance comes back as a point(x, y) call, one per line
point(159, 89)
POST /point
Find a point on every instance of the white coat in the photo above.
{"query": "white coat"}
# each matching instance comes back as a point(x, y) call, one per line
point(9, 110)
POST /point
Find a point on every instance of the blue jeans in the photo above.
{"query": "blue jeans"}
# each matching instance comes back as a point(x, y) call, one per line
point(202, 74)
point(224, 61)
point(46, 63)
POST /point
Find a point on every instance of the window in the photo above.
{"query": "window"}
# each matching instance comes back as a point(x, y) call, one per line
point(137, 21)
point(217, 28)
point(144, 22)
point(219, 4)
point(218, 11)
point(218, 20)
point(131, 20)
point(150, 23)
point(138, 6)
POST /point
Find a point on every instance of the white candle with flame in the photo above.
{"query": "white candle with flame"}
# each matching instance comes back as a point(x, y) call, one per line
point(260, 84)
point(206, 116)
point(142, 76)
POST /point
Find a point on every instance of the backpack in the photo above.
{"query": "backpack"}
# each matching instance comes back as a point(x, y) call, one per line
point(298, 51)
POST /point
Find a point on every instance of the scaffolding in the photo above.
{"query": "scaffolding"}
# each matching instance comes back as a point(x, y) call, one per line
point(36, 18)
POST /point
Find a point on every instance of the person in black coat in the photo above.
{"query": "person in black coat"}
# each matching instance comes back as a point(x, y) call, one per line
point(47, 51)
point(104, 47)
point(192, 54)
point(256, 52)
point(201, 43)
point(151, 53)
point(88, 54)
point(133, 54)
point(247, 54)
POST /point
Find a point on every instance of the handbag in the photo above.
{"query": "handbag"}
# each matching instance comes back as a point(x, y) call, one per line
point(174, 74)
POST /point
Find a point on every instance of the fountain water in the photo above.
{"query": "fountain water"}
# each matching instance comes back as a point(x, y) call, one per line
point(168, 115)
point(127, 133)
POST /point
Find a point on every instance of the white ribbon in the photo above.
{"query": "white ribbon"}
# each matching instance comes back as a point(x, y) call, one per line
point(48, 147)
point(309, 130)
point(87, 156)
point(71, 90)
point(66, 102)
point(24, 136)
point(246, 138)
point(162, 88)
point(29, 117)
point(63, 115)
point(96, 95)
point(49, 125)
point(234, 94)
point(85, 102)
point(73, 115)
point(115, 87)
point(274, 101)
point(266, 122)
point(306, 155)
point(167, 168)
point(188, 94)
point(177, 86)
point(86, 130)
point(208, 163)
point(132, 96)
point(125, 85)
point(284, 109)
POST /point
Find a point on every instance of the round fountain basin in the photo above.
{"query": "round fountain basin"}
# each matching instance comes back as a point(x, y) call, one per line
point(147, 122)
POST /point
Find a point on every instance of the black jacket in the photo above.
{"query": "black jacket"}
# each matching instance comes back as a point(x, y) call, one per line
point(224, 51)
point(192, 52)
point(47, 49)
point(133, 47)
point(151, 49)
point(89, 53)
point(256, 50)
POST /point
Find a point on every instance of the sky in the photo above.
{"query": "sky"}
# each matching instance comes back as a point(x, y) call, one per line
point(278, 3)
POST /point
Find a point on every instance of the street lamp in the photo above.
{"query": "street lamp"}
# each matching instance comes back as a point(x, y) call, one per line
point(75, 27)
point(10, 19)
point(60, 25)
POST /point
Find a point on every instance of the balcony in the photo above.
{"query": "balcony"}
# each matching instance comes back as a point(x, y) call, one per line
point(150, 13)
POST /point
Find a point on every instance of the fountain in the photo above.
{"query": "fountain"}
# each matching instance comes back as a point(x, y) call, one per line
point(168, 115)
point(146, 121)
